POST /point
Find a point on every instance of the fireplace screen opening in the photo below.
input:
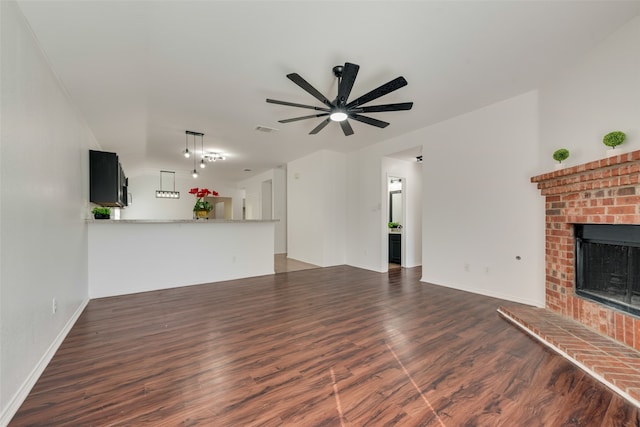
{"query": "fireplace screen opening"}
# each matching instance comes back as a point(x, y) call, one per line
point(607, 265)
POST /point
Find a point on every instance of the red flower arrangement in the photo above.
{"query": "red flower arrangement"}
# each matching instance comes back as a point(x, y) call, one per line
point(201, 193)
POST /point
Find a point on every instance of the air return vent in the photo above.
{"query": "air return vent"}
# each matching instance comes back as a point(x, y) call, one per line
point(265, 129)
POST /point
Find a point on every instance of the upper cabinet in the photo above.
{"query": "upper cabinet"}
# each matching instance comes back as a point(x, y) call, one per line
point(108, 183)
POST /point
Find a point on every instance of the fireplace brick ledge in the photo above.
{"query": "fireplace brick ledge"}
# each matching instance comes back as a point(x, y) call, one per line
point(619, 159)
point(613, 364)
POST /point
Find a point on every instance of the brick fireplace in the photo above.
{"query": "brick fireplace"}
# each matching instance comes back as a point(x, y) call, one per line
point(605, 191)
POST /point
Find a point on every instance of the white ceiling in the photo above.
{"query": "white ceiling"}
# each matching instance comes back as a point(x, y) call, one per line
point(143, 72)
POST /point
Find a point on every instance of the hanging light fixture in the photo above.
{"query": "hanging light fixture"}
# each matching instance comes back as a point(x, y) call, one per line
point(186, 145)
point(167, 194)
point(194, 173)
point(202, 164)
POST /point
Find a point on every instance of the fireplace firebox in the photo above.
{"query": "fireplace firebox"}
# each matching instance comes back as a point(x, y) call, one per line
point(607, 265)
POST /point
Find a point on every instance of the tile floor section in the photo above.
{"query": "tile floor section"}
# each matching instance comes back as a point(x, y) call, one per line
point(614, 364)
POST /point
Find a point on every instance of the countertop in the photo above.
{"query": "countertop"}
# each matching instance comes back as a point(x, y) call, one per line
point(177, 221)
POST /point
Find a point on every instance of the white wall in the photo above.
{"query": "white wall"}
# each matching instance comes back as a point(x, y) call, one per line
point(145, 205)
point(253, 202)
point(315, 211)
point(365, 213)
point(480, 210)
point(479, 207)
point(44, 161)
point(599, 94)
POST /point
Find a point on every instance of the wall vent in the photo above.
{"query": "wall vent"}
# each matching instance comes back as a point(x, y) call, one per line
point(265, 129)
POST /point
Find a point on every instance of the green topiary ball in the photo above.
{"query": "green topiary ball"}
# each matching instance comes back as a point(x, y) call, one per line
point(613, 139)
point(561, 154)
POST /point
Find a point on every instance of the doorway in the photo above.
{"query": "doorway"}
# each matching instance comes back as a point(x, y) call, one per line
point(402, 209)
point(395, 222)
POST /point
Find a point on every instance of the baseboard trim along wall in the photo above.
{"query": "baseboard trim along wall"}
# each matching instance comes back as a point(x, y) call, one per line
point(25, 389)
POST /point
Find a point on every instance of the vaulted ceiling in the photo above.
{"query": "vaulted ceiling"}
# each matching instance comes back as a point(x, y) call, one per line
point(143, 72)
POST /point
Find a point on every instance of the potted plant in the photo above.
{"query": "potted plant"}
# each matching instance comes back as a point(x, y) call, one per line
point(202, 207)
point(101, 213)
point(394, 225)
point(612, 140)
point(560, 155)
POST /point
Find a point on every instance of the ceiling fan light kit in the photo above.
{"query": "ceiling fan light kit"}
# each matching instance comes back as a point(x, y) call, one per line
point(339, 110)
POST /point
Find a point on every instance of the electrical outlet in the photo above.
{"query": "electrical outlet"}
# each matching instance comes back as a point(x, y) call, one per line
point(486, 270)
point(467, 267)
point(54, 306)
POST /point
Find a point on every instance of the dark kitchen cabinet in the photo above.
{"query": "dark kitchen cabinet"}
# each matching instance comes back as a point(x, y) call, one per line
point(108, 183)
point(395, 248)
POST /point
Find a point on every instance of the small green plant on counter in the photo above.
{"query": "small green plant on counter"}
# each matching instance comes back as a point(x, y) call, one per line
point(394, 225)
point(101, 213)
point(561, 155)
point(613, 139)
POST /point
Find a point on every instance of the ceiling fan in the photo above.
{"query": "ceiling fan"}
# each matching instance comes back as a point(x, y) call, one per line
point(339, 110)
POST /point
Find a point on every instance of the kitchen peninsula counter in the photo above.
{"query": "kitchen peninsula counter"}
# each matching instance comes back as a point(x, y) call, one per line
point(129, 256)
point(177, 221)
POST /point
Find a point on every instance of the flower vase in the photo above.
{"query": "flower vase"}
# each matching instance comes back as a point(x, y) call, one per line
point(201, 214)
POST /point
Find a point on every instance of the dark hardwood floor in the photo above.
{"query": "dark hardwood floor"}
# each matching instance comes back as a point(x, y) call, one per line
point(333, 346)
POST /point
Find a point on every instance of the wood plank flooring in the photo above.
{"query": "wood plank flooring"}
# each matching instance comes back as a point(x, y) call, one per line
point(283, 264)
point(333, 346)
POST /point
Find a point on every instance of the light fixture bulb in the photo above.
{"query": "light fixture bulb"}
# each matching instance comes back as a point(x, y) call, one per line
point(202, 165)
point(194, 173)
point(186, 153)
point(338, 116)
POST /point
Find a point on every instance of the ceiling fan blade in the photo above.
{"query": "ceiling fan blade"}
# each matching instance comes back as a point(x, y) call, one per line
point(349, 73)
point(369, 120)
point(386, 107)
point(293, 104)
point(294, 77)
point(346, 128)
point(313, 116)
point(386, 88)
point(320, 126)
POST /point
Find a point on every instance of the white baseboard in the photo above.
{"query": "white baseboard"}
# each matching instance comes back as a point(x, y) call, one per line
point(489, 293)
point(27, 385)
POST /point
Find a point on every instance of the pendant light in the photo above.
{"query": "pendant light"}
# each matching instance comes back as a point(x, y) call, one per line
point(186, 153)
point(202, 164)
point(167, 194)
point(186, 145)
